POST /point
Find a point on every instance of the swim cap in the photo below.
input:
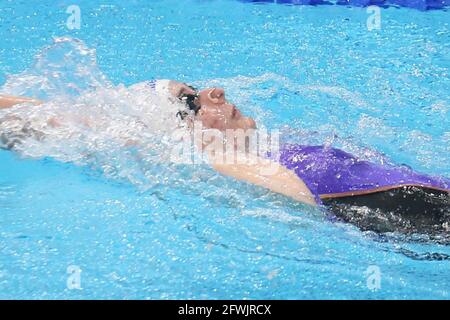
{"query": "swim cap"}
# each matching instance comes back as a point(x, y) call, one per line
point(162, 87)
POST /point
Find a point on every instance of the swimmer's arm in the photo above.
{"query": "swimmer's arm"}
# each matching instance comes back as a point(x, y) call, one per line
point(9, 101)
point(275, 178)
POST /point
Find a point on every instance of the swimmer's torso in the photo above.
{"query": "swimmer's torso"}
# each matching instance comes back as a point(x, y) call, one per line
point(374, 197)
point(329, 171)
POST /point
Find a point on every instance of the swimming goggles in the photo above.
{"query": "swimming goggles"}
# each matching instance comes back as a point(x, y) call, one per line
point(192, 101)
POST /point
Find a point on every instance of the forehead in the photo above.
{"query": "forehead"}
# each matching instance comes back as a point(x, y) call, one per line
point(206, 91)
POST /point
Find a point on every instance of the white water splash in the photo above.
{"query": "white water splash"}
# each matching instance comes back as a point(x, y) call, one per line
point(87, 120)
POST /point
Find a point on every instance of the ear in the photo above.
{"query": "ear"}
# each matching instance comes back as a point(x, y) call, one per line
point(201, 112)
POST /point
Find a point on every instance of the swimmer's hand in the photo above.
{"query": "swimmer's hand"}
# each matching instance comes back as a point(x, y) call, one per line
point(9, 101)
point(271, 175)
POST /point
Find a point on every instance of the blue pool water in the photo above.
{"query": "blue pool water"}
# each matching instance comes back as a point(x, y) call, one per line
point(139, 228)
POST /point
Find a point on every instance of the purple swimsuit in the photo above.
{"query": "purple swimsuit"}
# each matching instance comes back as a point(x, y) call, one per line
point(333, 171)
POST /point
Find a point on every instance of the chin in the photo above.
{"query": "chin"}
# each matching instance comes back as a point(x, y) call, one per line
point(251, 124)
point(244, 123)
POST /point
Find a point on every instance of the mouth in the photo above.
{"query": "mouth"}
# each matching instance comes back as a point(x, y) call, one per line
point(235, 112)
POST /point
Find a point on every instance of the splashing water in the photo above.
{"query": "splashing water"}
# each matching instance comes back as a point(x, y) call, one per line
point(86, 119)
point(315, 72)
point(125, 132)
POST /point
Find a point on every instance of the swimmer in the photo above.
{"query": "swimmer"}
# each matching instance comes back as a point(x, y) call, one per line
point(211, 108)
point(403, 200)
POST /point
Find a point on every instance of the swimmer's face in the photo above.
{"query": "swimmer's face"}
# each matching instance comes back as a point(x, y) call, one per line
point(217, 113)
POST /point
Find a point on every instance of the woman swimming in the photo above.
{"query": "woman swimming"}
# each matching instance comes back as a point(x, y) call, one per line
point(374, 197)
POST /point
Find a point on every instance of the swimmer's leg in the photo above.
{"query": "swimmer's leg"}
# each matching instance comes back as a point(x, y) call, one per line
point(9, 101)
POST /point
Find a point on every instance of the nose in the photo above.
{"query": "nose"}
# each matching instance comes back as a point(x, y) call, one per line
point(217, 95)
